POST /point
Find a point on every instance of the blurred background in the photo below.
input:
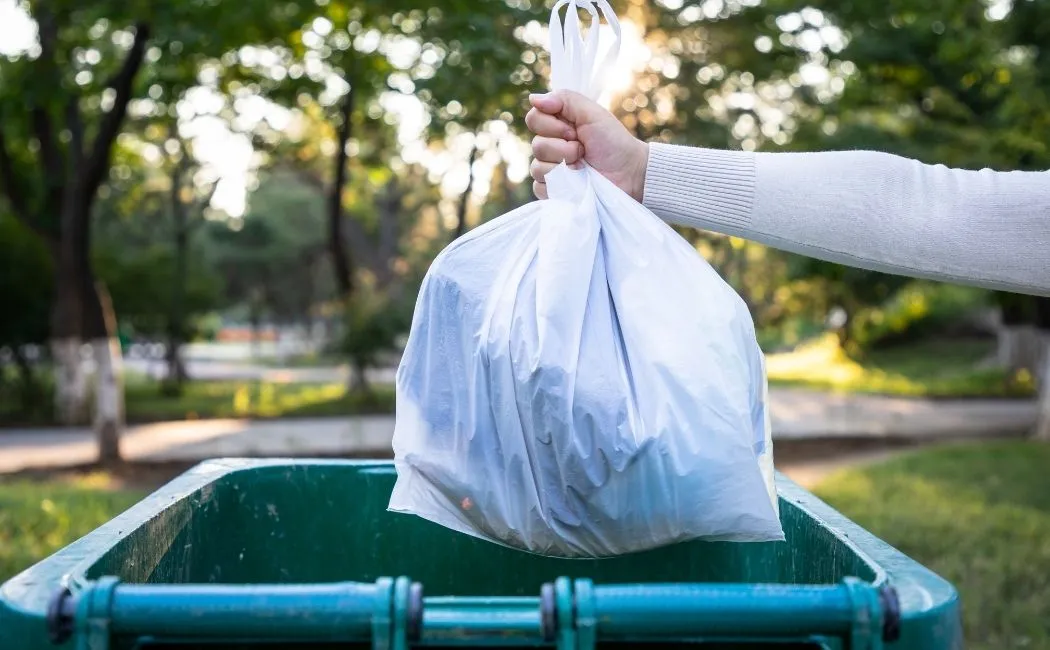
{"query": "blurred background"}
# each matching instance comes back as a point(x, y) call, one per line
point(215, 217)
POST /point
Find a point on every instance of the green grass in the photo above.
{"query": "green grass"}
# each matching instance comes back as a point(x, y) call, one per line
point(37, 519)
point(302, 361)
point(252, 399)
point(930, 369)
point(977, 514)
point(144, 402)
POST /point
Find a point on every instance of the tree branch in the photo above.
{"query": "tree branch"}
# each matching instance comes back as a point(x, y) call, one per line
point(51, 163)
point(97, 164)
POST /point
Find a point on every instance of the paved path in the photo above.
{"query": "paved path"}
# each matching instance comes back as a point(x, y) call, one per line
point(797, 415)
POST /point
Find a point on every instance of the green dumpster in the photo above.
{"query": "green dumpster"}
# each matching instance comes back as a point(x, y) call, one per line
point(303, 554)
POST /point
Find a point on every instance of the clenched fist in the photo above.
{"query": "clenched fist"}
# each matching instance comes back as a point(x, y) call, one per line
point(570, 128)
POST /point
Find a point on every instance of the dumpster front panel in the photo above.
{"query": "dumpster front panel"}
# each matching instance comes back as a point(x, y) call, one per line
point(278, 522)
point(322, 523)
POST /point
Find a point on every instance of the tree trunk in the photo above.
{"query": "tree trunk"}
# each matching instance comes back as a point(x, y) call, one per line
point(255, 319)
point(1018, 348)
point(344, 276)
point(67, 322)
point(1042, 325)
point(464, 200)
point(176, 329)
point(1042, 427)
point(100, 328)
point(70, 381)
point(359, 379)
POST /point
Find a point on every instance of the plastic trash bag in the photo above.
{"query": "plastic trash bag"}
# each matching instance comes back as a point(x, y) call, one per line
point(578, 381)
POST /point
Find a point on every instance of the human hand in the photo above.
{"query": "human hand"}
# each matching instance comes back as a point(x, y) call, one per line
point(570, 128)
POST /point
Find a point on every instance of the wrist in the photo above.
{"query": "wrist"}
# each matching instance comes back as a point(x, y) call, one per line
point(641, 163)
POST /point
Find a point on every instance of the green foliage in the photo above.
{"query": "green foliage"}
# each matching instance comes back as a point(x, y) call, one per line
point(977, 514)
point(25, 284)
point(482, 74)
point(273, 259)
point(917, 310)
point(374, 322)
point(140, 284)
point(37, 519)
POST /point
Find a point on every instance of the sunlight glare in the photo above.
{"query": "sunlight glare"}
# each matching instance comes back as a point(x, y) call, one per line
point(633, 58)
point(17, 30)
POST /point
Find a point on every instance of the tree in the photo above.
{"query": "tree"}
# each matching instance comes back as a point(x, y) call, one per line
point(51, 182)
point(79, 83)
point(344, 43)
point(478, 75)
point(272, 258)
point(187, 207)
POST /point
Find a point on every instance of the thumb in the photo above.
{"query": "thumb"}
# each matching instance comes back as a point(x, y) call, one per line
point(570, 106)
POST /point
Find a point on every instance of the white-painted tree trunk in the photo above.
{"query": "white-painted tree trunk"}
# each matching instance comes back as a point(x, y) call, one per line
point(1042, 427)
point(109, 398)
point(1018, 347)
point(1042, 372)
point(70, 381)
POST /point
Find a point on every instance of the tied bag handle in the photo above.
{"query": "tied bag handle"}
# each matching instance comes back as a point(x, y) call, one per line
point(574, 63)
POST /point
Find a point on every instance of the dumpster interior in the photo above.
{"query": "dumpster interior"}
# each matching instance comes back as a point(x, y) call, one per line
point(310, 523)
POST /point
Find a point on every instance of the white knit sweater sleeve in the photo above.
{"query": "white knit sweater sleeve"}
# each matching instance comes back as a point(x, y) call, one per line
point(870, 210)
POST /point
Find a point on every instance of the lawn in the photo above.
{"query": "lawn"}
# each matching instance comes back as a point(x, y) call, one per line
point(947, 368)
point(977, 514)
point(144, 402)
point(37, 519)
point(252, 399)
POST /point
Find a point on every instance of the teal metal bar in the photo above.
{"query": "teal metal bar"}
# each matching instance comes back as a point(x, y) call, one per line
point(391, 614)
point(586, 613)
point(481, 622)
point(307, 612)
point(628, 612)
point(385, 613)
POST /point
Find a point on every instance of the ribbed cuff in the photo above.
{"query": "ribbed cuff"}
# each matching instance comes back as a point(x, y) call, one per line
point(705, 188)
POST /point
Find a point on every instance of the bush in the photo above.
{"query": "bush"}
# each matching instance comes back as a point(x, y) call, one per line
point(917, 311)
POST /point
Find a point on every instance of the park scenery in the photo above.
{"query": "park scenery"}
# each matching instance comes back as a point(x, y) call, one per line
point(215, 219)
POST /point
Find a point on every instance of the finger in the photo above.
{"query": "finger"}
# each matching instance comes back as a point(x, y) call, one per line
point(549, 103)
point(549, 126)
point(577, 109)
point(539, 189)
point(556, 150)
point(539, 169)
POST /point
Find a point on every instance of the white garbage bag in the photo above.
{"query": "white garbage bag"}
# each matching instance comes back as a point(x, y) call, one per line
point(578, 381)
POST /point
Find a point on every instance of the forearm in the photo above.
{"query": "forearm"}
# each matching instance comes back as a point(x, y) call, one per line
point(865, 209)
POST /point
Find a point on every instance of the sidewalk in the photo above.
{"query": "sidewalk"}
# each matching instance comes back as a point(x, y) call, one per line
point(796, 415)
